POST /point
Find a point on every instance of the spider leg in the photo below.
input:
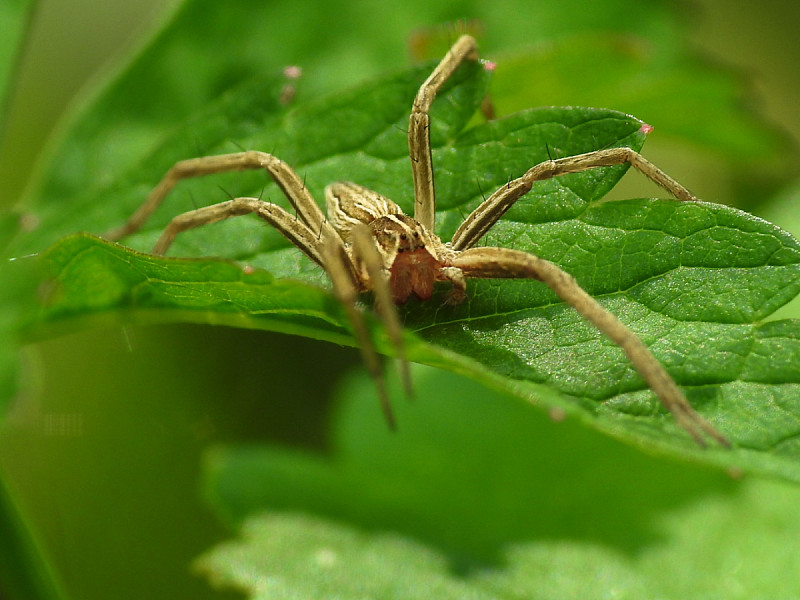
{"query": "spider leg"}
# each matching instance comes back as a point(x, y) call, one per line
point(489, 212)
point(419, 143)
point(364, 249)
point(488, 262)
point(287, 224)
point(290, 183)
point(338, 266)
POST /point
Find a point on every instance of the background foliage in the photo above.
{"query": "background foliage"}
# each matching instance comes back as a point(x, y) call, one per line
point(91, 467)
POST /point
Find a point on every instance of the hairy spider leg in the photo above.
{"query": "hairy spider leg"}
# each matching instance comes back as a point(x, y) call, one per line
point(489, 262)
point(483, 218)
point(419, 143)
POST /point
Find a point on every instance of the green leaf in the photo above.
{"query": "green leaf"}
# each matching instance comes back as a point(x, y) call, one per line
point(691, 279)
point(479, 497)
point(781, 210)
point(92, 276)
point(309, 137)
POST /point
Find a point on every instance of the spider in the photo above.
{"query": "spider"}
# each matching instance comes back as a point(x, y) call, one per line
point(367, 244)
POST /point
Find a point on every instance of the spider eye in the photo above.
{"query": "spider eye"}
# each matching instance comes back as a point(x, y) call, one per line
point(416, 234)
point(403, 236)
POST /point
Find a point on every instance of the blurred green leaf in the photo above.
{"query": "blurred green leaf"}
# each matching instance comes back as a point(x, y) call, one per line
point(681, 95)
point(479, 497)
point(18, 304)
point(23, 571)
point(15, 16)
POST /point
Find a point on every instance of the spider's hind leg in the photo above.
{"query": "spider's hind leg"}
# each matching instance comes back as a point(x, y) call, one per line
point(297, 232)
point(288, 181)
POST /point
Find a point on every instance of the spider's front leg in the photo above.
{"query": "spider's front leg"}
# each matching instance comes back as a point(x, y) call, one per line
point(489, 262)
point(337, 262)
point(370, 252)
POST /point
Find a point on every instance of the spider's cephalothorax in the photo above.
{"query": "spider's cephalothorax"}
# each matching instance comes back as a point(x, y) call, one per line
point(366, 243)
point(413, 258)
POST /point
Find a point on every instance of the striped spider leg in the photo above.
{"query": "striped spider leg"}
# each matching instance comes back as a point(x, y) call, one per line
point(352, 264)
point(366, 242)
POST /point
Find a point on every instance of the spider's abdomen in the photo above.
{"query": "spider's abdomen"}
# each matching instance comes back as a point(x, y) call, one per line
point(409, 254)
point(413, 272)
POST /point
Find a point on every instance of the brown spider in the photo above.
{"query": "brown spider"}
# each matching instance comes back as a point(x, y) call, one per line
point(366, 243)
